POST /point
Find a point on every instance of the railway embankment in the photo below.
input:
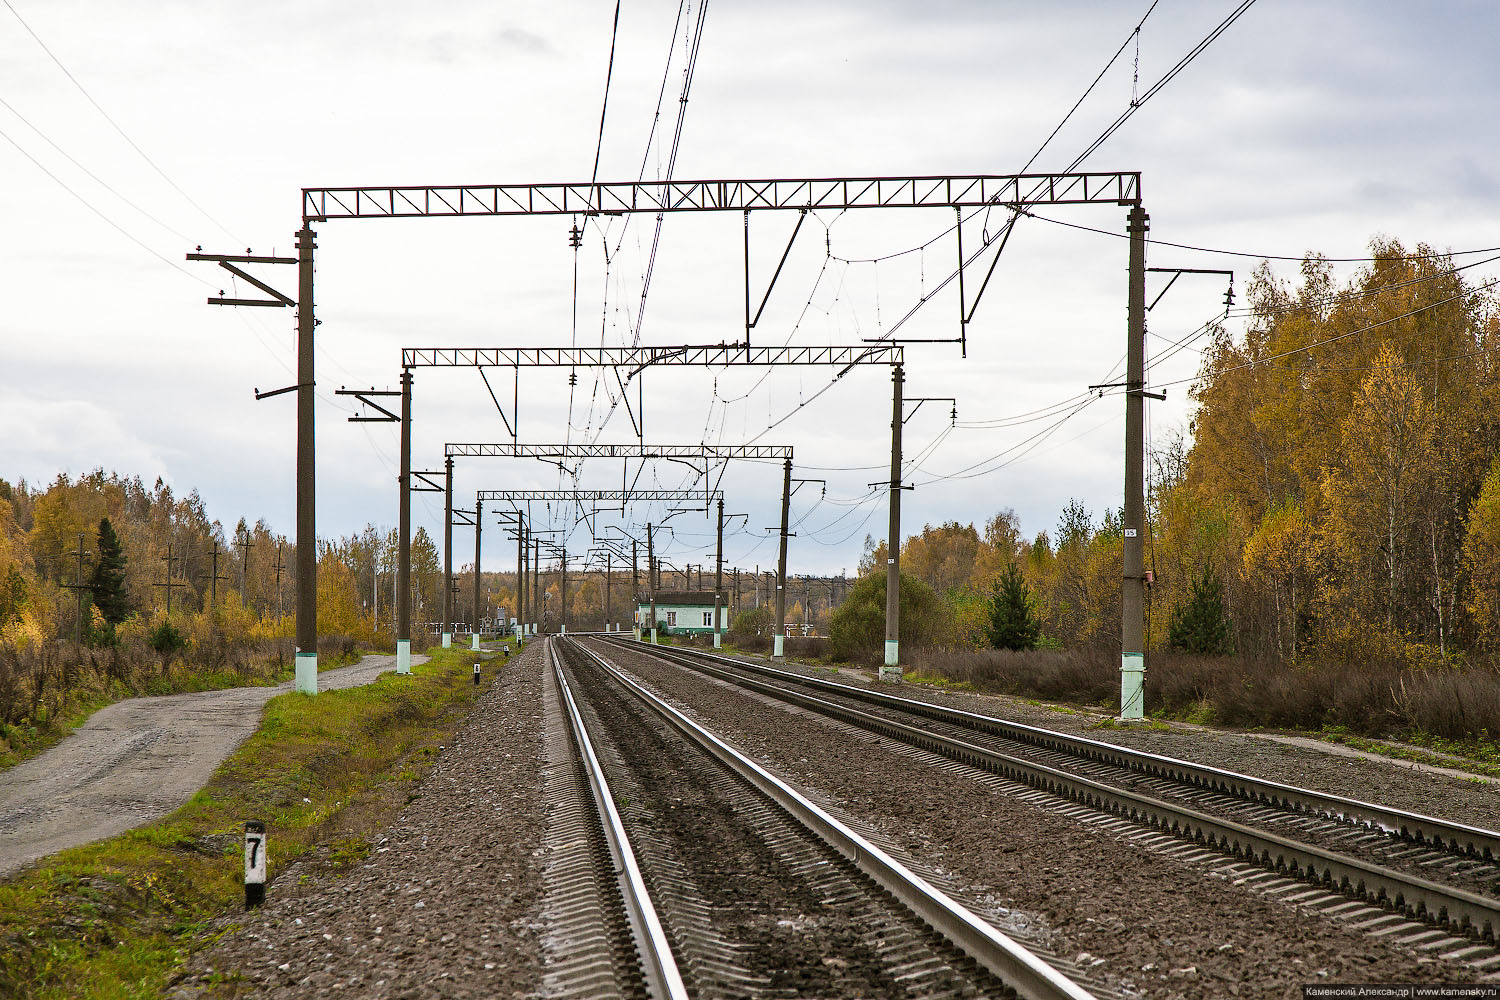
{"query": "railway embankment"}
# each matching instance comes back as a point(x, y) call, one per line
point(122, 916)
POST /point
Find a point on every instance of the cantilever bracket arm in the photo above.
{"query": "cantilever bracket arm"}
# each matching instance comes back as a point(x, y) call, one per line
point(277, 299)
point(277, 392)
point(363, 395)
point(427, 485)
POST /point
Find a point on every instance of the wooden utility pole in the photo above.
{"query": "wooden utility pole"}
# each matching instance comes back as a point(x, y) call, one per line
point(245, 544)
point(79, 587)
point(169, 559)
point(214, 578)
point(278, 568)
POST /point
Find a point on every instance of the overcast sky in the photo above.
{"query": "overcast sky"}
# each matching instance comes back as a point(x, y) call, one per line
point(1309, 125)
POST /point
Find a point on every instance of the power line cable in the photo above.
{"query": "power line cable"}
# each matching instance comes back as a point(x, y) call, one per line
point(111, 222)
point(115, 125)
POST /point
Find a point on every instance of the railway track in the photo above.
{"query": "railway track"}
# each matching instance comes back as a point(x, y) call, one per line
point(731, 882)
point(1426, 881)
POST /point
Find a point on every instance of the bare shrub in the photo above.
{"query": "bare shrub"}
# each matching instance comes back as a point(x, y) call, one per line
point(1373, 698)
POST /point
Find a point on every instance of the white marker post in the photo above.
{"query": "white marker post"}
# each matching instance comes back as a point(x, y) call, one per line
point(255, 863)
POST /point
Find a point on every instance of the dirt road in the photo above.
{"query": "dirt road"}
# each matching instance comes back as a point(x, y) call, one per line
point(135, 761)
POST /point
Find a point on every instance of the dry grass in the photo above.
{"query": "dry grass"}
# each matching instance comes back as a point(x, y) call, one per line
point(1382, 699)
point(46, 691)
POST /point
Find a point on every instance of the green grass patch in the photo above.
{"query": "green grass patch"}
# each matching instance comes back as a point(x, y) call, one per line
point(1478, 756)
point(118, 918)
point(935, 680)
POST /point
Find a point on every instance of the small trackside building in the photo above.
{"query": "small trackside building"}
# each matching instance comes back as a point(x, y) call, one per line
point(686, 612)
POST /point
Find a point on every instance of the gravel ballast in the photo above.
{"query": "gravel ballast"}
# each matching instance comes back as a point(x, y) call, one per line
point(1161, 927)
point(448, 902)
point(1387, 781)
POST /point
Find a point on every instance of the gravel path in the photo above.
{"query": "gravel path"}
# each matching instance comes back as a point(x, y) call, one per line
point(1158, 926)
point(447, 904)
point(135, 761)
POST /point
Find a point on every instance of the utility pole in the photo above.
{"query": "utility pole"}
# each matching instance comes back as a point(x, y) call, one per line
point(169, 559)
point(719, 581)
point(523, 561)
point(635, 589)
point(1133, 593)
point(650, 580)
point(778, 654)
point(478, 610)
point(448, 551)
point(214, 578)
point(735, 606)
point(306, 658)
point(79, 587)
point(536, 590)
point(562, 591)
point(280, 565)
point(403, 539)
point(608, 607)
point(244, 545)
point(891, 669)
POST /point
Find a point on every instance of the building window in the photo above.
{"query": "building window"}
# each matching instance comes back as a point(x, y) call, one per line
point(708, 619)
point(671, 619)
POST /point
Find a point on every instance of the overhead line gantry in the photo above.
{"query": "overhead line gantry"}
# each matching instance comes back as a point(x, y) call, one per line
point(1014, 192)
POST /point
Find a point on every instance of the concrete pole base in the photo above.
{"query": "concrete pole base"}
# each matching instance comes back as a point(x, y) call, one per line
point(890, 670)
point(653, 637)
point(403, 656)
point(1132, 687)
point(447, 640)
point(778, 649)
point(474, 641)
point(718, 641)
point(307, 673)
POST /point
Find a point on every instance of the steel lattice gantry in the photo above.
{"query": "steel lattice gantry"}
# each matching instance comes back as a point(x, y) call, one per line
point(833, 193)
point(714, 452)
point(640, 358)
point(1013, 192)
point(595, 496)
point(636, 359)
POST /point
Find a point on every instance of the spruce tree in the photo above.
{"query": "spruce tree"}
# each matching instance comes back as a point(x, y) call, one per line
point(1201, 623)
point(1012, 623)
point(108, 582)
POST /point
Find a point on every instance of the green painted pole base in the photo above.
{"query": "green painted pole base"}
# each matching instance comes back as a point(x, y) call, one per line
point(403, 656)
point(718, 640)
point(653, 637)
point(1132, 686)
point(778, 649)
point(447, 640)
point(307, 673)
point(474, 641)
point(890, 670)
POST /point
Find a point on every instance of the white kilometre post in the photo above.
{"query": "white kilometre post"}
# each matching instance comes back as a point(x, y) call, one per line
point(255, 863)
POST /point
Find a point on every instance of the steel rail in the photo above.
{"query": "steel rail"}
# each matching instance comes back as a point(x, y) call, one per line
point(662, 976)
point(1440, 833)
point(1458, 909)
point(1017, 967)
